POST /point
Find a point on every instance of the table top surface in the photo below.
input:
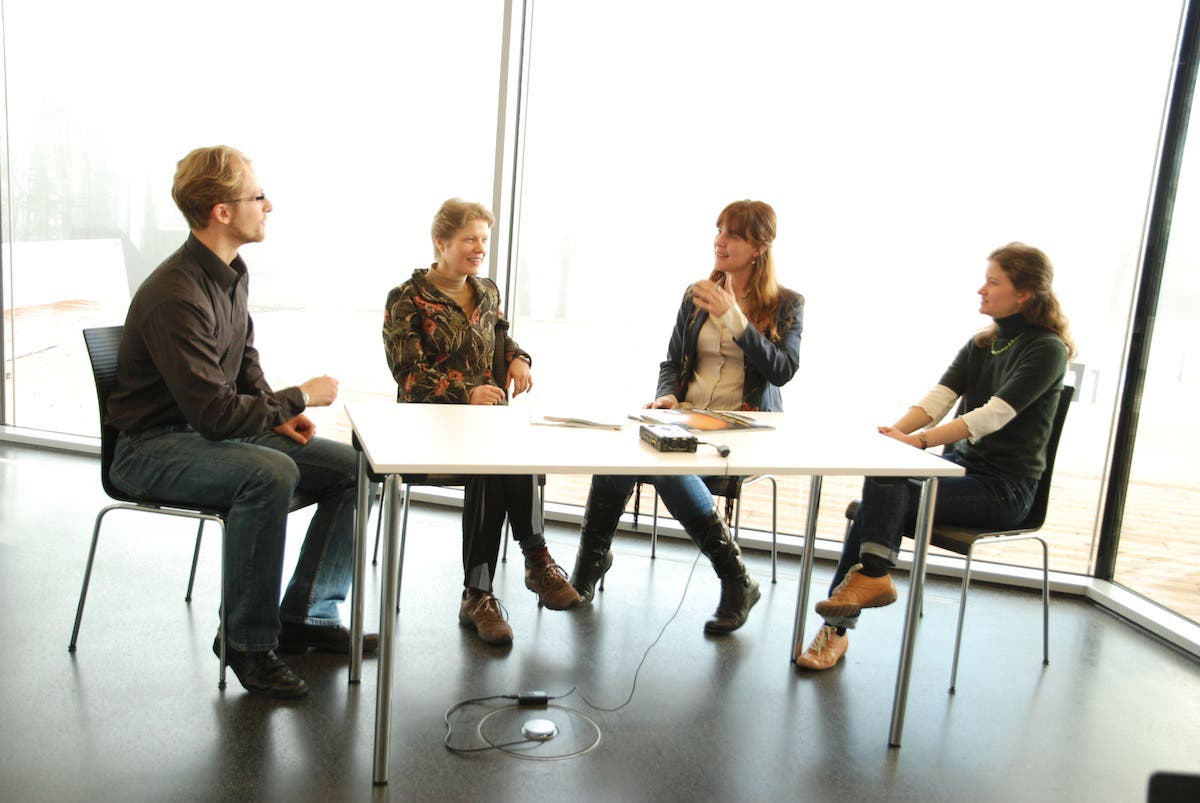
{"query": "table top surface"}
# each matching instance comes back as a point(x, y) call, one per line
point(472, 439)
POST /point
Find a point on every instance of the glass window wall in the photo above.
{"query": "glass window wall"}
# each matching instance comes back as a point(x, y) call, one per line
point(899, 145)
point(1158, 555)
point(361, 119)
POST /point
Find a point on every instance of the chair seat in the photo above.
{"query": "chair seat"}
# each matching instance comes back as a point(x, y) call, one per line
point(958, 540)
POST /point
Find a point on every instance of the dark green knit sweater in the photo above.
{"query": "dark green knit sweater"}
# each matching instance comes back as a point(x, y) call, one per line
point(1026, 372)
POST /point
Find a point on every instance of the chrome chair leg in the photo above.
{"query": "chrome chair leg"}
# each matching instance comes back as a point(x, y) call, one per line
point(962, 612)
point(403, 540)
point(222, 631)
point(195, 559)
point(774, 528)
point(378, 529)
point(653, 533)
point(1045, 602)
point(87, 577)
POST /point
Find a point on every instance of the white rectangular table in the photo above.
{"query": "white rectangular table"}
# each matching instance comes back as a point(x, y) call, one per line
point(398, 439)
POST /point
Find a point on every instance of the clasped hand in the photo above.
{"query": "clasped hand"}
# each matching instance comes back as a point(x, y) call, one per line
point(301, 429)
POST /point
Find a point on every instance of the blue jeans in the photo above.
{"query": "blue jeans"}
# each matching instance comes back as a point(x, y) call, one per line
point(686, 497)
point(254, 478)
point(889, 512)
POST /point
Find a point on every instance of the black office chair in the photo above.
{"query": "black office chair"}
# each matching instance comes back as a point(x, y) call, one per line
point(730, 488)
point(102, 346)
point(962, 540)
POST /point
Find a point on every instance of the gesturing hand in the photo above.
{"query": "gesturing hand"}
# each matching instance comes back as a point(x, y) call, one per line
point(712, 298)
point(321, 390)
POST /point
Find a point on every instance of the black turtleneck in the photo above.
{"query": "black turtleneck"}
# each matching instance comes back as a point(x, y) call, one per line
point(1024, 366)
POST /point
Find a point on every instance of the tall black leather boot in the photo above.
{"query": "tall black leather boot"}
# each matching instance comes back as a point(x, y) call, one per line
point(739, 589)
point(594, 556)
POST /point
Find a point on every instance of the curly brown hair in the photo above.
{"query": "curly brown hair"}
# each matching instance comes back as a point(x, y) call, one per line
point(1030, 270)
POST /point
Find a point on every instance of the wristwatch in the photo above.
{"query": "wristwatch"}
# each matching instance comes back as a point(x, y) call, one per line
point(304, 396)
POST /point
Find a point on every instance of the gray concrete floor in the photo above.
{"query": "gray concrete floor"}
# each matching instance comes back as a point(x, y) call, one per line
point(136, 714)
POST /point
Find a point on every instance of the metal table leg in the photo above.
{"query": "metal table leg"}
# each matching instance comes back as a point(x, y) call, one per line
point(912, 615)
point(387, 631)
point(806, 564)
point(361, 513)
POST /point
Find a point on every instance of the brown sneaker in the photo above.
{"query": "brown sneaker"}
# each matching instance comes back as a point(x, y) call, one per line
point(825, 651)
point(548, 580)
point(856, 592)
point(486, 616)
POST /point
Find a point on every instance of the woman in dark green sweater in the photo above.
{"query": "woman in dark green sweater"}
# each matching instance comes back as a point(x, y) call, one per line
point(1009, 376)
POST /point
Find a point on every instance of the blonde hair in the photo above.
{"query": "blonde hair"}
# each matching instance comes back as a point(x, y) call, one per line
point(754, 221)
point(1030, 270)
point(454, 214)
point(205, 178)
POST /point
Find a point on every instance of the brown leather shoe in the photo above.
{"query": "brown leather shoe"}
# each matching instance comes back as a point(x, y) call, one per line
point(485, 616)
point(825, 651)
point(856, 592)
point(548, 580)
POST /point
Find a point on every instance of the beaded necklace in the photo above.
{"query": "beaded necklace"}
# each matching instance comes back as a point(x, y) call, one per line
point(994, 351)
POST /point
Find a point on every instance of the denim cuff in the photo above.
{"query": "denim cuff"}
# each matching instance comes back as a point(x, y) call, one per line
point(880, 551)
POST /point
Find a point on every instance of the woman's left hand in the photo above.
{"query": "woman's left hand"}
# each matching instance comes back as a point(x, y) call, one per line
point(892, 432)
point(520, 378)
point(712, 298)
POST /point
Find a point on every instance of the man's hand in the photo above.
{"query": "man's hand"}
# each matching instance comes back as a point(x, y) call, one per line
point(520, 378)
point(662, 403)
point(321, 390)
point(485, 394)
point(300, 429)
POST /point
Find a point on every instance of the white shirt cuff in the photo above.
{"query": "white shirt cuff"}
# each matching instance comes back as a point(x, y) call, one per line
point(989, 418)
point(937, 402)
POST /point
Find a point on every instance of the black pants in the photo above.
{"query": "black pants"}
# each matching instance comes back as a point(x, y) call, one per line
point(487, 499)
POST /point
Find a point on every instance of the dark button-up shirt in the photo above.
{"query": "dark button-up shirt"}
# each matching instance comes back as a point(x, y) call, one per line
point(187, 355)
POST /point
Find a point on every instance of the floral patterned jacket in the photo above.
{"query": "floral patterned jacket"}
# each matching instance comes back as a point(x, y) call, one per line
point(435, 352)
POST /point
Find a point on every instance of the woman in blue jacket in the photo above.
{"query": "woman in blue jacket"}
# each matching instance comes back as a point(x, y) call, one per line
point(736, 340)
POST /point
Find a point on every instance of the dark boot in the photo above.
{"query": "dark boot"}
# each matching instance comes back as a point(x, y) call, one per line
point(594, 556)
point(739, 590)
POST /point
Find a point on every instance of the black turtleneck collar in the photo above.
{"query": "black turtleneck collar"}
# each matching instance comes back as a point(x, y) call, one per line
point(1011, 326)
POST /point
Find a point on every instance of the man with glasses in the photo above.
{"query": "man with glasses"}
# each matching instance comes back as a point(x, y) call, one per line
point(200, 426)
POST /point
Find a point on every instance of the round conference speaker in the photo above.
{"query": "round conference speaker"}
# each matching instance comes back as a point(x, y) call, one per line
point(539, 729)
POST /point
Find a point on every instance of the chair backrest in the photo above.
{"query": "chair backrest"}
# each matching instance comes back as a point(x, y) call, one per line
point(102, 345)
point(1041, 498)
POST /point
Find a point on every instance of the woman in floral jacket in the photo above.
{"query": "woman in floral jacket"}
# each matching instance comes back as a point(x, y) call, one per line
point(736, 340)
point(447, 342)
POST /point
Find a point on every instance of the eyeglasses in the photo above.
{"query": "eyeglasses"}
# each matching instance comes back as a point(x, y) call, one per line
point(262, 196)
